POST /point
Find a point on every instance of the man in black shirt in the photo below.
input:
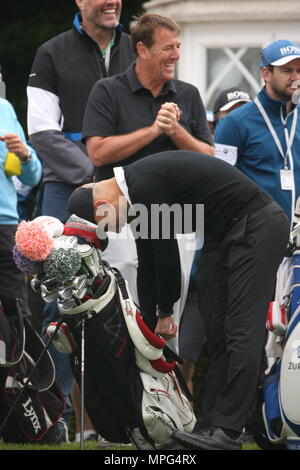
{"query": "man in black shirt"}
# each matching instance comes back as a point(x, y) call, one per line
point(252, 232)
point(142, 111)
point(145, 109)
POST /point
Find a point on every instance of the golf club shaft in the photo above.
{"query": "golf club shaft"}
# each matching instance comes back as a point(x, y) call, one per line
point(82, 384)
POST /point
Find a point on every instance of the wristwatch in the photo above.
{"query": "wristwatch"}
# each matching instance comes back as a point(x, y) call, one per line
point(28, 158)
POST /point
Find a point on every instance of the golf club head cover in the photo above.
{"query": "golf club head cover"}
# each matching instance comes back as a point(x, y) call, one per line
point(26, 265)
point(53, 226)
point(33, 241)
point(65, 242)
point(276, 319)
point(62, 264)
point(84, 229)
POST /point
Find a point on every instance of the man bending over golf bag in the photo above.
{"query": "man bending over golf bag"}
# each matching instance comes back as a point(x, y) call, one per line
point(129, 382)
point(252, 232)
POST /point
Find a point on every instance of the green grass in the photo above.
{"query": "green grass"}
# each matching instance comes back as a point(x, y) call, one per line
point(251, 447)
point(88, 445)
point(92, 445)
point(76, 446)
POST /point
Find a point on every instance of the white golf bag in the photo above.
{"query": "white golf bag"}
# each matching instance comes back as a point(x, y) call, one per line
point(281, 387)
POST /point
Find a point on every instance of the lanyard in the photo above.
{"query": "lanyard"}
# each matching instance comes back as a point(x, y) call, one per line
point(289, 138)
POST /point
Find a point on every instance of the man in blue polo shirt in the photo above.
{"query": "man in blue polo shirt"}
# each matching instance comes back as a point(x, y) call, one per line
point(264, 135)
point(262, 138)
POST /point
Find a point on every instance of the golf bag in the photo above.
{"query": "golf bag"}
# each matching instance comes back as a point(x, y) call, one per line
point(131, 391)
point(279, 398)
point(39, 406)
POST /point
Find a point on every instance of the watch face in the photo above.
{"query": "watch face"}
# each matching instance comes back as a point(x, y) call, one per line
point(29, 157)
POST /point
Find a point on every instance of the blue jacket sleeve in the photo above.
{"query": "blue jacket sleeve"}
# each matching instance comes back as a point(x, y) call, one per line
point(227, 132)
point(31, 171)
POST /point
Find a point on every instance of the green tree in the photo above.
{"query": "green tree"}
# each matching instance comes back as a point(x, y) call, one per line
point(26, 25)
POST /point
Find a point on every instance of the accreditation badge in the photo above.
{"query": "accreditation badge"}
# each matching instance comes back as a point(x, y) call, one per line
point(287, 179)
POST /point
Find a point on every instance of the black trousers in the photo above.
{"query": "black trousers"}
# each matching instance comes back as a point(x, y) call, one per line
point(12, 281)
point(249, 257)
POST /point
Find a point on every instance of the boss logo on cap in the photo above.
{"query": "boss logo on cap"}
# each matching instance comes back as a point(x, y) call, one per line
point(288, 49)
point(237, 95)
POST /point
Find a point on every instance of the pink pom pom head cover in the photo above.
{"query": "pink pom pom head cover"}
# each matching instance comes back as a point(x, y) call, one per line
point(33, 241)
